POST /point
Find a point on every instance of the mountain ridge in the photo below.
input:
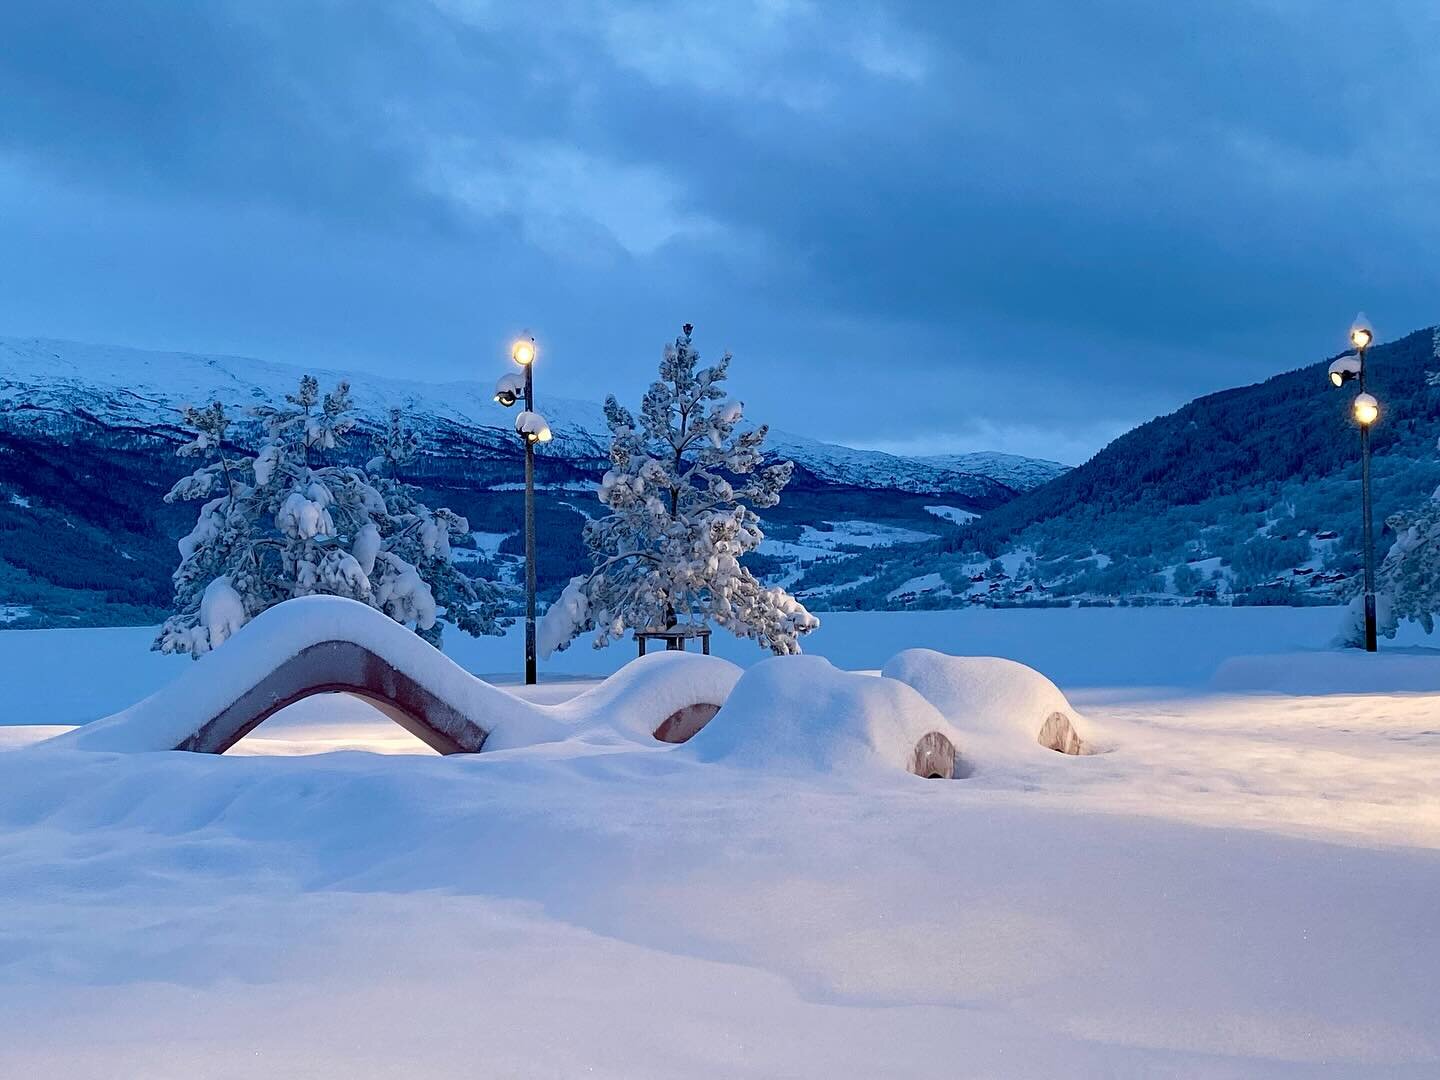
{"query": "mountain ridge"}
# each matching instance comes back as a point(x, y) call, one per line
point(87, 450)
point(37, 372)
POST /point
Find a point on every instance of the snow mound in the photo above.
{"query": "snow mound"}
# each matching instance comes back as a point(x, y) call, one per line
point(465, 712)
point(637, 700)
point(1001, 706)
point(800, 713)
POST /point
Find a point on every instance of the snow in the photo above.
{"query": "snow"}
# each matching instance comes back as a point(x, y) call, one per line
point(953, 514)
point(1241, 886)
point(487, 543)
point(999, 704)
point(532, 425)
point(815, 543)
point(1076, 647)
point(631, 703)
point(924, 583)
point(126, 387)
point(793, 714)
point(1012, 470)
point(222, 612)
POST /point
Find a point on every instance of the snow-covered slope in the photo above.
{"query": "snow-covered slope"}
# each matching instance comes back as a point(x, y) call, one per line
point(1012, 470)
point(143, 390)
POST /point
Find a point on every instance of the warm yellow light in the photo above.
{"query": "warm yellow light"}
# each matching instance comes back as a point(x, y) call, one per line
point(543, 435)
point(1337, 378)
point(523, 352)
point(1360, 337)
point(1367, 410)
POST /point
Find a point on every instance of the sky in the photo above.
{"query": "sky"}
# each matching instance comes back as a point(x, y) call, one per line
point(921, 227)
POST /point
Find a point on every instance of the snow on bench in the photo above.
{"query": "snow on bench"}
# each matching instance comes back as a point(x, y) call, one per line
point(1003, 707)
point(323, 644)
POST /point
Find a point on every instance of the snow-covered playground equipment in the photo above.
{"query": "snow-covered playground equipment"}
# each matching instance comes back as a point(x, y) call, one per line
point(800, 713)
point(928, 713)
point(1002, 706)
point(321, 644)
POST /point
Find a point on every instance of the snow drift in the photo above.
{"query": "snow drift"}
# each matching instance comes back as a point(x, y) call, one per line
point(1001, 706)
point(236, 687)
point(799, 713)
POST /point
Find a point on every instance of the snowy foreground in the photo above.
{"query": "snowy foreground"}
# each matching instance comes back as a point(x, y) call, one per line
point(1243, 886)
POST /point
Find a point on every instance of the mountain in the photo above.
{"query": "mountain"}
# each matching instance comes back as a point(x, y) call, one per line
point(88, 433)
point(1249, 494)
point(1021, 473)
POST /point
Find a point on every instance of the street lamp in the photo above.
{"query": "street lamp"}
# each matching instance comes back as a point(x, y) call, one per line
point(532, 428)
point(1366, 411)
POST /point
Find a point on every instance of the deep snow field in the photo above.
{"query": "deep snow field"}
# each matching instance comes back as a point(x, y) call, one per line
point(1244, 884)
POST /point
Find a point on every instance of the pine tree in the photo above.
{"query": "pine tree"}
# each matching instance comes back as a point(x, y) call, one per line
point(283, 523)
point(681, 492)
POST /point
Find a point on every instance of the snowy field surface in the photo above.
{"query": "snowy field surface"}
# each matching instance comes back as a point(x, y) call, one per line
point(1242, 884)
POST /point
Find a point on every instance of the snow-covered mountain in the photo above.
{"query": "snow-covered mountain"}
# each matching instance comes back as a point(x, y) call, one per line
point(87, 450)
point(1013, 470)
point(143, 390)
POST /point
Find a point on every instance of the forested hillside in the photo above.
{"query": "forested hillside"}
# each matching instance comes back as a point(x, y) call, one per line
point(1249, 495)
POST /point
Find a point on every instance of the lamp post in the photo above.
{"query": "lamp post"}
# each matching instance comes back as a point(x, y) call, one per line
point(1366, 411)
point(532, 429)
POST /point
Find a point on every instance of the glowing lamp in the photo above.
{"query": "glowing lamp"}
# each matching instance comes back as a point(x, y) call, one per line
point(1361, 333)
point(1345, 369)
point(532, 427)
point(1367, 410)
point(523, 352)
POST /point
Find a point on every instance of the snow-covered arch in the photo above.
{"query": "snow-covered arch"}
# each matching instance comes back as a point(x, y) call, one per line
point(322, 644)
point(342, 666)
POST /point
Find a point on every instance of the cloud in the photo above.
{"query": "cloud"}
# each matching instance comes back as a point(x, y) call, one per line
point(569, 202)
point(1089, 212)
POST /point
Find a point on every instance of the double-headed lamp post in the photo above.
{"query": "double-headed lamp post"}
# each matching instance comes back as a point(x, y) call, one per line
point(532, 429)
point(1366, 411)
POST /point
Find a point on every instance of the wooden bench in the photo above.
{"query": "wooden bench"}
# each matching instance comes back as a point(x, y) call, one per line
point(674, 638)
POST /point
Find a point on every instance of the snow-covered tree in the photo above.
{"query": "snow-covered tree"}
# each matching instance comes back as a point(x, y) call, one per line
point(681, 492)
point(283, 523)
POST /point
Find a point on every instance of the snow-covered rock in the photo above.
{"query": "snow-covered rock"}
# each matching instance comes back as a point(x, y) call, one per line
point(1001, 707)
point(801, 714)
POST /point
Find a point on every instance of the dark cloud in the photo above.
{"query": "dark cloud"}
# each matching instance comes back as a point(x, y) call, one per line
point(942, 224)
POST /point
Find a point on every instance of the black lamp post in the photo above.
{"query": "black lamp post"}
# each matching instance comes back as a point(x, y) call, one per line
point(1366, 411)
point(532, 429)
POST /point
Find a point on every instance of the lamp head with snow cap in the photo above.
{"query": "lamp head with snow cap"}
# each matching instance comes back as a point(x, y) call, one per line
point(510, 388)
point(1345, 369)
point(532, 427)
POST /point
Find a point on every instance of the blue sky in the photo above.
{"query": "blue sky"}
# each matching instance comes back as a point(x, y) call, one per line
point(927, 227)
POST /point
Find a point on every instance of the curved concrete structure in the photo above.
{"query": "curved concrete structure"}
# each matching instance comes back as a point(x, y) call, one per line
point(331, 666)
